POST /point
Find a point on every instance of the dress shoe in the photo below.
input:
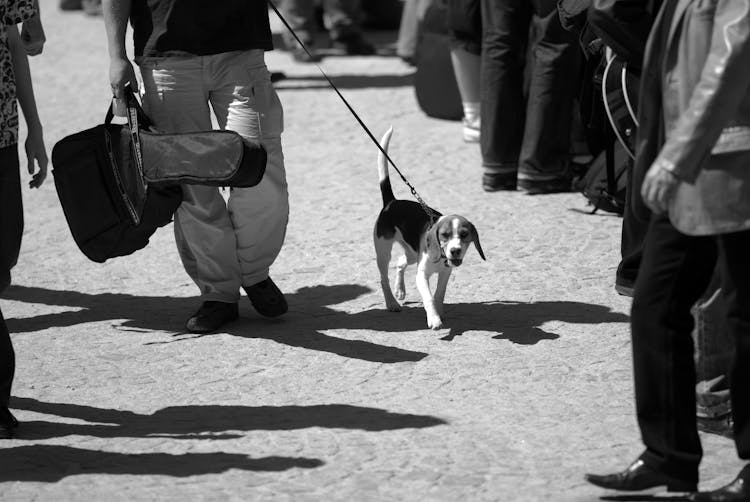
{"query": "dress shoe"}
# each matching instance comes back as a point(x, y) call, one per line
point(562, 184)
point(211, 316)
point(639, 476)
point(736, 491)
point(267, 298)
point(495, 182)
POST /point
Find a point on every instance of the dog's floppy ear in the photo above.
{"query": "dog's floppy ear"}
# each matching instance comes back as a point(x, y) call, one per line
point(475, 240)
point(433, 242)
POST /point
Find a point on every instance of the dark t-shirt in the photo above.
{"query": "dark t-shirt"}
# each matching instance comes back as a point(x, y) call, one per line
point(199, 27)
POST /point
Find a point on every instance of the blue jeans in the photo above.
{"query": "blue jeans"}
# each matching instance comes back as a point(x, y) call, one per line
point(530, 136)
point(714, 350)
point(11, 229)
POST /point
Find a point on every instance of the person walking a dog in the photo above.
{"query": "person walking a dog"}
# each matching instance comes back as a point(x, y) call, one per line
point(196, 56)
point(15, 84)
point(693, 149)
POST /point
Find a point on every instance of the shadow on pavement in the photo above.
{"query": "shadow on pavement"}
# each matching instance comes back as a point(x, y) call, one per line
point(518, 322)
point(208, 421)
point(298, 83)
point(645, 498)
point(309, 312)
point(51, 463)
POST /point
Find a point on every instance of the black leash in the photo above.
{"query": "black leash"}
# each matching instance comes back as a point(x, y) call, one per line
point(430, 212)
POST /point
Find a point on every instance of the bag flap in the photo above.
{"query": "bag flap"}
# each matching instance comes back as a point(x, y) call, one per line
point(192, 155)
point(202, 157)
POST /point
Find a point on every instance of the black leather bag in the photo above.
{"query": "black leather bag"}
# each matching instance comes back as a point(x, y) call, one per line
point(118, 183)
point(435, 81)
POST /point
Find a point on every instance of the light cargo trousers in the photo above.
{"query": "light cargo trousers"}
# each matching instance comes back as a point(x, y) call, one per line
point(223, 244)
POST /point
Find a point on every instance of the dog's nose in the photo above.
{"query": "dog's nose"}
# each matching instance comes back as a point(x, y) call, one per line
point(456, 252)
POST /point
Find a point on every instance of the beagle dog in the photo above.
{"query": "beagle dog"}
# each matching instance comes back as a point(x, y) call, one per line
point(436, 246)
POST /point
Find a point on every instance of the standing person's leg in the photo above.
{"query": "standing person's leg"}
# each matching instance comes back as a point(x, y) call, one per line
point(11, 231)
point(11, 212)
point(406, 43)
point(343, 20)
point(245, 101)
point(555, 72)
point(465, 25)
point(505, 28)
point(300, 14)
point(675, 271)
point(734, 249)
point(713, 360)
point(176, 100)
point(631, 243)
point(735, 285)
point(7, 369)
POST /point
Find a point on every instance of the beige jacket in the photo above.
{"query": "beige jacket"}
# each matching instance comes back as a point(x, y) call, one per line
point(694, 113)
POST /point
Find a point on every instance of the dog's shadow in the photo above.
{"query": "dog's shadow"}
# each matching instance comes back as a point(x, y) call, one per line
point(517, 322)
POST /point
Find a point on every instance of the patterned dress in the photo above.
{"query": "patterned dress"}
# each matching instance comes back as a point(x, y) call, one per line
point(12, 12)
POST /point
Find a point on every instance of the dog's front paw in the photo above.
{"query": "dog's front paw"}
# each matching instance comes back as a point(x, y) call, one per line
point(434, 321)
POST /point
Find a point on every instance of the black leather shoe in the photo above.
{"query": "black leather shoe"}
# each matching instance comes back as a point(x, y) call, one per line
point(539, 187)
point(267, 298)
point(639, 476)
point(211, 316)
point(494, 182)
point(737, 490)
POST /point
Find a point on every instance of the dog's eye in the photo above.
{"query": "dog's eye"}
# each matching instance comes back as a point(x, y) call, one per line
point(445, 235)
point(463, 235)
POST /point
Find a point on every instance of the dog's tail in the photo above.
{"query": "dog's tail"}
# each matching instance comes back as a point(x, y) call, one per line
point(385, 182)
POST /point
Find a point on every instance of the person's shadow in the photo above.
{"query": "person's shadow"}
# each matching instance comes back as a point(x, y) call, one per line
point(206, 422)
point(645, 498)
point(310, 315)
point(51, 463)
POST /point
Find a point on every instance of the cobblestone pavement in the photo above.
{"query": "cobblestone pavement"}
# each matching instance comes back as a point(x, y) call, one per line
point(528, 388)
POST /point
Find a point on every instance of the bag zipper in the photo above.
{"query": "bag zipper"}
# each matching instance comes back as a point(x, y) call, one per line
point(120, 185)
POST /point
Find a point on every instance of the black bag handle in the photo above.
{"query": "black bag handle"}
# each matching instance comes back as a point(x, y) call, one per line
point(131, 102)
point(137, 120)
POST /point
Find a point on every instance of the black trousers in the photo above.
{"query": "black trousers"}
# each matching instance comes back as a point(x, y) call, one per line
point(529, 136)
point(7, 363)
point(675, 271)
point(11, 230)
point(633, 235)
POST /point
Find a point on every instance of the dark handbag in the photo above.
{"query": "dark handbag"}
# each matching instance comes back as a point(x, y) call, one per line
point(118, 183)
point(110, 209)
point(435, 81)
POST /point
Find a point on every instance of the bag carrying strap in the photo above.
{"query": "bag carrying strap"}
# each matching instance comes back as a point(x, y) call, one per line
point(137, 119)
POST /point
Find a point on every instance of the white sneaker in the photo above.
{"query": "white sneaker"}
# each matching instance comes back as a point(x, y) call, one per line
point(471, 130)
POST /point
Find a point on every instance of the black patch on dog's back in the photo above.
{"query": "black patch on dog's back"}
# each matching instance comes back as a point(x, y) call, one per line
point(408, 216)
